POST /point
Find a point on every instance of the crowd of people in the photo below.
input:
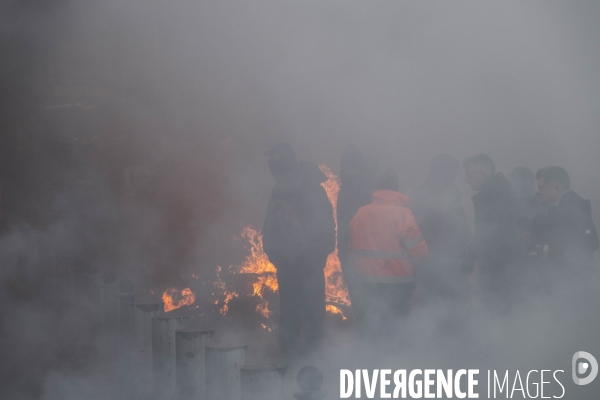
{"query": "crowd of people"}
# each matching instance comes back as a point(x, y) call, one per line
point(524, 243)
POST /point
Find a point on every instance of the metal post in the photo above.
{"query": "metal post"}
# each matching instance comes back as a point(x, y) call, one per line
point(189, 348)
point(262, 382)
point(223, 372)
point(163, 354)
point(141, 356)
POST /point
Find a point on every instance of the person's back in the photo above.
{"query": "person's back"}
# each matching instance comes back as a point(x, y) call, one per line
point(385, 225)
point(355, 192)
point(298, 235)
point(299, 218)
point(385, 242)
point(495, 222)
point(497, 247)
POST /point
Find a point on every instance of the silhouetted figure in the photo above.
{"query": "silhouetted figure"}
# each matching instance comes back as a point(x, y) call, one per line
point(528, 202)
point(355, 191)
point(439, 213)
point(497, 246)
point(386, 243)
point(528, 205)
point(569, 233)
point(298, 235)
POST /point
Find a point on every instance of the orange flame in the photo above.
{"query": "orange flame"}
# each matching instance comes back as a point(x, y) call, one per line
point(335, 287)
point(263, 309)
point(334, 310)
point(173, 299)
point(228, 295)
point(258, 263)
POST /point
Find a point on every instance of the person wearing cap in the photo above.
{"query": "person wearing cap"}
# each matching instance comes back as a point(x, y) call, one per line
point(298, 235)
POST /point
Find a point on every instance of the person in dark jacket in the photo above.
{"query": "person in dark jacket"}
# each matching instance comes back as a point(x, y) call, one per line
point(528, 201)
point(439, 213)
point(298, 235)
point(569, 233)
point(529, 205)
point(497, 247)
point(355, 191)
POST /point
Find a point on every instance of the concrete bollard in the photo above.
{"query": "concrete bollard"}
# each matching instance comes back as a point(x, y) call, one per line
point(163, 354)
point(110, 315)
point(126, 330)
point(223, 372)
point(110, 302)
point(310, 381)
point(190, 362)
point(126, 298)
point(85, 291)
point(262, 382)
point(141, 356)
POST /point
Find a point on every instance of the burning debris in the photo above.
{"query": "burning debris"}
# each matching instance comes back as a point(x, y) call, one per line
point(229, 295)
point(173, 299)
point(263, 272)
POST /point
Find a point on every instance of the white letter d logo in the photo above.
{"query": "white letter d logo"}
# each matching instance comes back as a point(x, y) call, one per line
point(583, 367)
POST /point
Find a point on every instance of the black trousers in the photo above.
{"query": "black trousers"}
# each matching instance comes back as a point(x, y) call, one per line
point(301, 306)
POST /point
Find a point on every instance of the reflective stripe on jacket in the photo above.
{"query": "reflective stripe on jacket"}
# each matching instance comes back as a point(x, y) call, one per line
point(385, 239)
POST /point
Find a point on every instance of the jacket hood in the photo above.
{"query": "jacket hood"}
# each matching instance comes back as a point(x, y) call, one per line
point(390, 197)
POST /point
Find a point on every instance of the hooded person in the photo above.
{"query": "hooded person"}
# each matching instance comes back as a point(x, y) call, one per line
point(298, 235)
point(386, 245)
point(355, 191)
point(439, 213)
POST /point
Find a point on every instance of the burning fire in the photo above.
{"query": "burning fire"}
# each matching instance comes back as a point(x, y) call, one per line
point(173, 299)
point(334, 310)
point(228, 295)
point(258, 264)
point(263, 309)
point(335, 287)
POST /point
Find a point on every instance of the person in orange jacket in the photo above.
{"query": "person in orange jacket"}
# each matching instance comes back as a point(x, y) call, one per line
point(386, 245)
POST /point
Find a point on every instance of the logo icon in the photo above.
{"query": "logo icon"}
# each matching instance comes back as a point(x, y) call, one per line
point(580, 367)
